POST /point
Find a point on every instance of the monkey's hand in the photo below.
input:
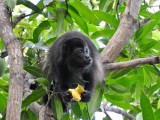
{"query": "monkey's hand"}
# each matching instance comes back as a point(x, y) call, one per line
point(86, 96)
point(76, 93)
point(67, 96)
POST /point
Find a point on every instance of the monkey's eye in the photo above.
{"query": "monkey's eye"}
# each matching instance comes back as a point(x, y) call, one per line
point(80, 51)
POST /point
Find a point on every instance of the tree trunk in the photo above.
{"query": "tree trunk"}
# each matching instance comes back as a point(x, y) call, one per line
point(13, 46)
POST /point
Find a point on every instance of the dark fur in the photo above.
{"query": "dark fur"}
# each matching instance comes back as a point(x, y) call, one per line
point(73, 59)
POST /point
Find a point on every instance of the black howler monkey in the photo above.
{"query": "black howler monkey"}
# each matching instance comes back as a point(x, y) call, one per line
point(73, 59)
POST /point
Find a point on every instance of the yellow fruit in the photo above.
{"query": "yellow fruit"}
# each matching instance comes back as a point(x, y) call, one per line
point(76, 93)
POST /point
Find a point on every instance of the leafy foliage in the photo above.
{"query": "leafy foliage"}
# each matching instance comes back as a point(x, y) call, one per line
point(135, 90)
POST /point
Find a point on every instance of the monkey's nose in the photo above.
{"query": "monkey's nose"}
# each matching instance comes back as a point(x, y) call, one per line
point(88, 58)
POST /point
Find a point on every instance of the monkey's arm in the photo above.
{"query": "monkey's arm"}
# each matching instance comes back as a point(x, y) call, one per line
point(89, 87)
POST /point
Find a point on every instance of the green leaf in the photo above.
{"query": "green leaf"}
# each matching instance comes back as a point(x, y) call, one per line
point(3, 102)
point(41, 46)
point(147, 80)
point(3, 82)
point(119, 73)
point(35, 95)
point(147, 44)
point(4, 88)
point(42, 26)
point(85, 12)
point(65, 116)
point(24, 115)
point(31, 52)
point(107, 18)
point(60, 20)
point(145, 13)
point(79, 20)
point(27, 114)
point(150, 69)
point(85, 114)
point(32, 116)
point(95, 102)
point(2, 67)
point(76, 110)
point(125, 81)
point(147, 111)
point(122, 104)
point(43, 82)
point(118, 96)
point(51, 41)
point(157, 114)
point(1, 46)
point(143, 31)
point(102, 33)
point(11, 3)
point(156, 16)
point(29, 5)
point(154, 88)
point(57, 107)
point(33, 70)
point(104, 4)
point(156, 35)
point(119, 88)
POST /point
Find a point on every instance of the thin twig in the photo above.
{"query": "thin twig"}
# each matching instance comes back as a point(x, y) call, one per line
point(156, 68)
point(19, 18)
point(66, 8)
point(142, 22)
point(119, 111)
point(117, 9)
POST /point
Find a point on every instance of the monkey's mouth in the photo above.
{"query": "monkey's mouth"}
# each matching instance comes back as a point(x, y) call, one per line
point(88, 62)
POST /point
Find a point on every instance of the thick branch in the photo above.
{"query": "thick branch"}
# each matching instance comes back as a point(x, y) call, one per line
point(127, 27)
point(40, 110)
point(131, 63)
point(35, 107)
point(13, 47)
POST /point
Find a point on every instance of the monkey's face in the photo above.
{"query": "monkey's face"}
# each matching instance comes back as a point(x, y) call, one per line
point(80, 57)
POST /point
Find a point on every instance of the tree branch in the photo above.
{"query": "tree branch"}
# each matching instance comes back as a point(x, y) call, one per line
point(142, 22)
point(35, 107)
point(13, 46)
point(127, 26)
point(20, 17)
point(105, 107)
point(42, 111)
point(119, 111)
point(131, 63)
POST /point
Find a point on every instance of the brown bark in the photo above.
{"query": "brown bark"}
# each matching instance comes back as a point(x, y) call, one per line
point(13, 47)
point(132, 63)
point(128, 25)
